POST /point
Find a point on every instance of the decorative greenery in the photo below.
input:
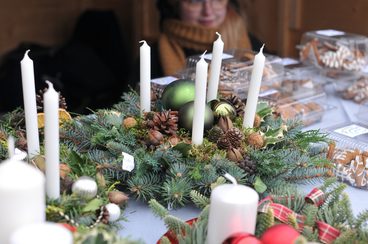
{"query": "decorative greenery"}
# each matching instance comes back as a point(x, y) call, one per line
point(337, 213)
point(168, 171)
point(166, 166)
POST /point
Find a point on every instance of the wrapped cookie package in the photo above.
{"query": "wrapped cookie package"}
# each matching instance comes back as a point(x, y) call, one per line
point(335, 53)
point(350, 153)
point(236, 70)
point(354, 89)
point(297, 97)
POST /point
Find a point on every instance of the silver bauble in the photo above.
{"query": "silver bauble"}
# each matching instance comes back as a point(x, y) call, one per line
point(85, 187)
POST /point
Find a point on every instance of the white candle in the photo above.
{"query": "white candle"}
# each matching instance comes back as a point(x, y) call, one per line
point(42, 233)
point(51, 110)
point(253, 92)
point(145, 77)
point(30, 109)
point(22, 194)
point(233, 210)
point(215, 68)
point(199, 101)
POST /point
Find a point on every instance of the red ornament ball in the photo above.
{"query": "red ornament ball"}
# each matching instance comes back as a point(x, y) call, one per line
point(280, 234)
point(242, 238)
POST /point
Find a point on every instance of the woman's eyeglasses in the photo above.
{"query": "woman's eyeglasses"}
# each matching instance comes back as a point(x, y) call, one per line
point(198, 4)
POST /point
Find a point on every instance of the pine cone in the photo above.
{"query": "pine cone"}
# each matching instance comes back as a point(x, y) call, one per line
point(39, 100)
point(223, 142)
point(215, 133)
point(166, 122)
point(235, 137)
point(237, 103)
point(248, 165)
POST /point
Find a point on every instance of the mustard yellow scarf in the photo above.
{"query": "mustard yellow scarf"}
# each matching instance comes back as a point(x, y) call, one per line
point(177, 35)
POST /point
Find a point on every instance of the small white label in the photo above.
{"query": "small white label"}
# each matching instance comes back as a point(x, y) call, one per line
point(330, 32)
point(128, 162)
point(19, 154)
point(224, 56)
point(164, 80)
point(352, 130)
point(289, 61)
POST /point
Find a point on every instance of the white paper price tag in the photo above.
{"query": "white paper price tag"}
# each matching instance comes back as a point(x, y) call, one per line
point(164, 80)
point(352, 130)
point(330, 32)
point(128, 162)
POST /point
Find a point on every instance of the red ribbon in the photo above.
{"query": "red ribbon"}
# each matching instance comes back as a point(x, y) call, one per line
point(326, 233)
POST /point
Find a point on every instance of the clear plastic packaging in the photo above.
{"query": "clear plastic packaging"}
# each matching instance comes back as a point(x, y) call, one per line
point(298, 102)
point(350, 155)
point(236, 70)
point(355, 89)
point(335, 53)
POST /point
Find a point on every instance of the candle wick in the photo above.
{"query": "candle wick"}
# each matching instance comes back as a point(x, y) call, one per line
point(261, 51)
point(230, 178)
point(26, 53)
point(143, 41)
point(219, 35)
point(202, 56)
point(49, 83)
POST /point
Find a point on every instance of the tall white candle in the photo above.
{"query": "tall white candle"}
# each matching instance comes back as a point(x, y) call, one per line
point(199, 101)
point(30, 109)
point(215, 68)
point(233, 209)
point(145, 77)
point(22, 194)
point(42, 233)
point(253, 92)
point(51, 110)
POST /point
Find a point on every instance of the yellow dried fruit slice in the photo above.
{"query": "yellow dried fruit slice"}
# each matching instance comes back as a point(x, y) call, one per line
point(63, 116)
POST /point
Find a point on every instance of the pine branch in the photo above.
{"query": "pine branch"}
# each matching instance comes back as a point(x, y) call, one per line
point(203, 217)
point(199, 200)
point(144, 187)
point(310, 211)
point(129, 104)
point(346, 237)
point(310, 233)
point(293, 221)
point(175, 224)
point(264, 221)
point(176, 192)
point(164, 240)
point(361, 219)
point(178, 170)
point(158, 209)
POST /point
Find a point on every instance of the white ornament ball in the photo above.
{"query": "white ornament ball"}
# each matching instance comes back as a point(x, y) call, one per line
point(85, 187)
point(114, 211)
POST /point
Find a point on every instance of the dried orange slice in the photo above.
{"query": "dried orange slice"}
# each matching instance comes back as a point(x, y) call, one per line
point(63, 116)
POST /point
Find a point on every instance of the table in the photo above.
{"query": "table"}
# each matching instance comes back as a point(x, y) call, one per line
point(142, 224)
